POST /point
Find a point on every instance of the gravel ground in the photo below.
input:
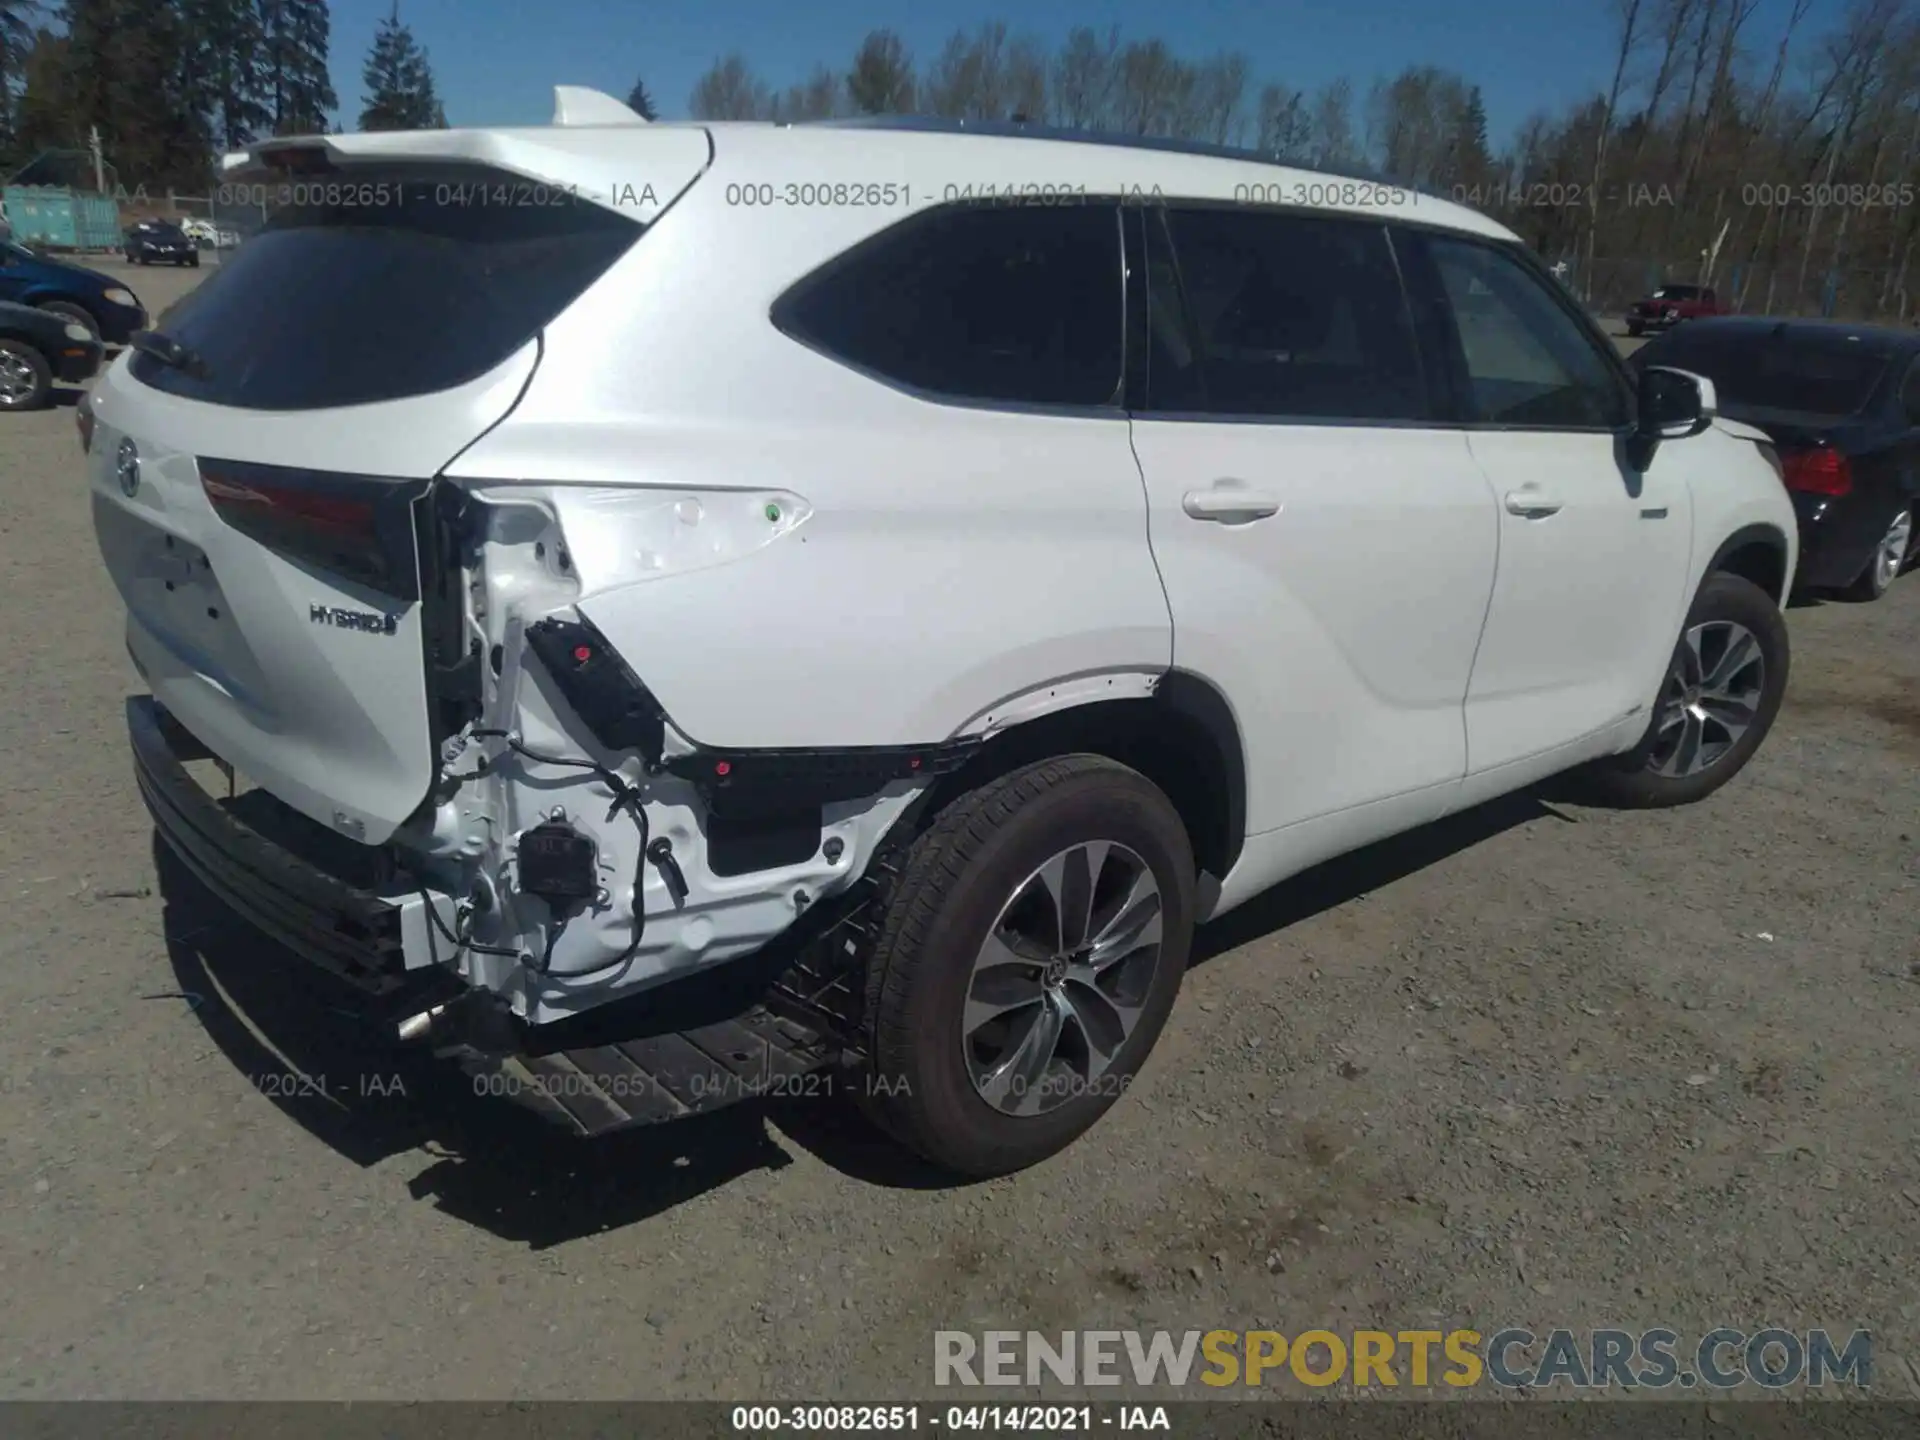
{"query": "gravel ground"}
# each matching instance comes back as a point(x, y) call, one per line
point(1539, 1065)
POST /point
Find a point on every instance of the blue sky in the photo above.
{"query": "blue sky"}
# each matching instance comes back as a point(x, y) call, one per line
point(496, 61)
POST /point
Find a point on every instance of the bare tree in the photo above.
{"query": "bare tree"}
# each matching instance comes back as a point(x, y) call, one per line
point(1083, 78)
point(818, 97)
point(968, 80)
point(1283, 124)
point(1218, 99)
point(1630, 36)
point(730, 91)
point(881, 80)
point(1334, 142)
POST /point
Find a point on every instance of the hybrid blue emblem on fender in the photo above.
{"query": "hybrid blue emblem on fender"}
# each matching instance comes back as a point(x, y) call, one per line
point(340, 619)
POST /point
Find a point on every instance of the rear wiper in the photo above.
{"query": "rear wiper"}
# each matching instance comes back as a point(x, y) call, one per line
point(169, 351)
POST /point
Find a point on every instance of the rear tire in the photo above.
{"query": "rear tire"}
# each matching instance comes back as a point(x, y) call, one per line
point(26, 380)
point(1634, 327)
point(1890, 556)
point(1716, 704)
point(996, 1039)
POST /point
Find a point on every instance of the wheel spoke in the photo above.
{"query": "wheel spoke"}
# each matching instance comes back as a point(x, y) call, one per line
point(1135, 925)
point(1013, 1083)
point(1104, 1021)
point(1742, 650)
point(1001, 987)
point(1071, 879)
point(1731, 713)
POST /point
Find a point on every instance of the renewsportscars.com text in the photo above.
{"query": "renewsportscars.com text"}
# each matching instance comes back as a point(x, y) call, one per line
point(1511, 1359)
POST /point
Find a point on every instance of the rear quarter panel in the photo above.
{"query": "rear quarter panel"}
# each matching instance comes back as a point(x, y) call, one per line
point(951, 559)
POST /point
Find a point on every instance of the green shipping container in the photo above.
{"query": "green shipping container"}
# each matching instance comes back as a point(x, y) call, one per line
point(62, 219)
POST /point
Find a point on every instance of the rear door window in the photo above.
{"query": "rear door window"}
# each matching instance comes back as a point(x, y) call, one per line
point(383, 283)
point(1281, 316)
point(1007, 304)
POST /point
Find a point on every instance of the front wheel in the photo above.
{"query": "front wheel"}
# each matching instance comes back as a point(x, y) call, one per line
point(1890, 555)
point(1027, 961)
point(26, 380)
point(1721, 693)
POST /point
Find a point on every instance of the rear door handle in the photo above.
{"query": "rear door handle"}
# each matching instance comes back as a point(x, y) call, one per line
point(1532, 504)
point(1230, 504)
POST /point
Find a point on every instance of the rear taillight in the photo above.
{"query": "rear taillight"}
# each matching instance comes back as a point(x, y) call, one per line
point(83, 422)
point(357, 527)
point(1824, 471)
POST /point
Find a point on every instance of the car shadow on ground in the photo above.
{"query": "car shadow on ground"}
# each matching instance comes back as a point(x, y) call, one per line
point(65, 397)
point(1347, 877)
point(310, 1045)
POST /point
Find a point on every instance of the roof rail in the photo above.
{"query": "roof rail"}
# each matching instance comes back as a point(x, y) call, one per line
point(575, 105)
point(938, 124)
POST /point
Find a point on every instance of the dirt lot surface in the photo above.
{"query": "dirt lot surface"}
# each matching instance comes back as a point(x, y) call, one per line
point(1539, 1065)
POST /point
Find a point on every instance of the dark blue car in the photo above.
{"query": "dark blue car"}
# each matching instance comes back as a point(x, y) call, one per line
point(99, 302)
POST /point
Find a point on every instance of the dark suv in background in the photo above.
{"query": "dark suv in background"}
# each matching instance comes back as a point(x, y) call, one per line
point(160, 242)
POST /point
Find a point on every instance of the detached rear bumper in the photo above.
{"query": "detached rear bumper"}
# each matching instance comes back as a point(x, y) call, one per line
point(369, 939)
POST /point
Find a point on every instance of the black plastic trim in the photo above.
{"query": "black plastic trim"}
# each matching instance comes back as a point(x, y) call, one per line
point(1197, 700)
point(1769, 535)
point(317, 916)
point(616, 708)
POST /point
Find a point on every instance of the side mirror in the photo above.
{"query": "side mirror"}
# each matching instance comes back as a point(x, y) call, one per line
point(1675, 404)
point(1672, 405)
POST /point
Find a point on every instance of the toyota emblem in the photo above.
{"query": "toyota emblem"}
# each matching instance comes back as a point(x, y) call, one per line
point(126, 466)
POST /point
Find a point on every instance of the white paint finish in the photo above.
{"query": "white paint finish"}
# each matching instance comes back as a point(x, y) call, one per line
point(333, 721)
point(1588, 601)
point(1342, 628)
point(952, 559)
point(577, 105)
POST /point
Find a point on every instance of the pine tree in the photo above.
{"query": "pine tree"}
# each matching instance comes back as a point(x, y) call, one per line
point(640, 102)
point(225, 77)
point(126, 75)
point(297, 90)
point(399, 82)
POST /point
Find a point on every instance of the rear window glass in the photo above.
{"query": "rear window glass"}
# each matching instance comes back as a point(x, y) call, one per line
point(1809, 375)
point(386, 283)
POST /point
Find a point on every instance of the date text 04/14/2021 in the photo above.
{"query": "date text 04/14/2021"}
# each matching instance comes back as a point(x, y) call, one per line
point(882, 1419)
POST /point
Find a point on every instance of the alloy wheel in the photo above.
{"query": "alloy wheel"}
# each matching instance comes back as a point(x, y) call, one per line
point(17, 381)
point(1891, 553)
point(1063, 978)
point(1710, 699)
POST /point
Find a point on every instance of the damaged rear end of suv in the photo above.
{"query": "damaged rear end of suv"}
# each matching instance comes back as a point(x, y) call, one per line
point(501, 691)
point(463, 801)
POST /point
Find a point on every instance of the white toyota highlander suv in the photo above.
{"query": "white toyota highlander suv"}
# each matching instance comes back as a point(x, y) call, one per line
point(680, 607)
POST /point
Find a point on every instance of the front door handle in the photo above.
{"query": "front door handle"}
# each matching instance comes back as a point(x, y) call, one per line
point(1229, 504)
point(1531, 504)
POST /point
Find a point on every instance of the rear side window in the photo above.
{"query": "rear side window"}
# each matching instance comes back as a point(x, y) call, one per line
point(1781, 370)
point(396, 282)
point(1283, 316)
point(1005, 304)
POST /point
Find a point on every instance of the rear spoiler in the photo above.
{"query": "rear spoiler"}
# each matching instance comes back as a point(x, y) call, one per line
point(649, 167)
